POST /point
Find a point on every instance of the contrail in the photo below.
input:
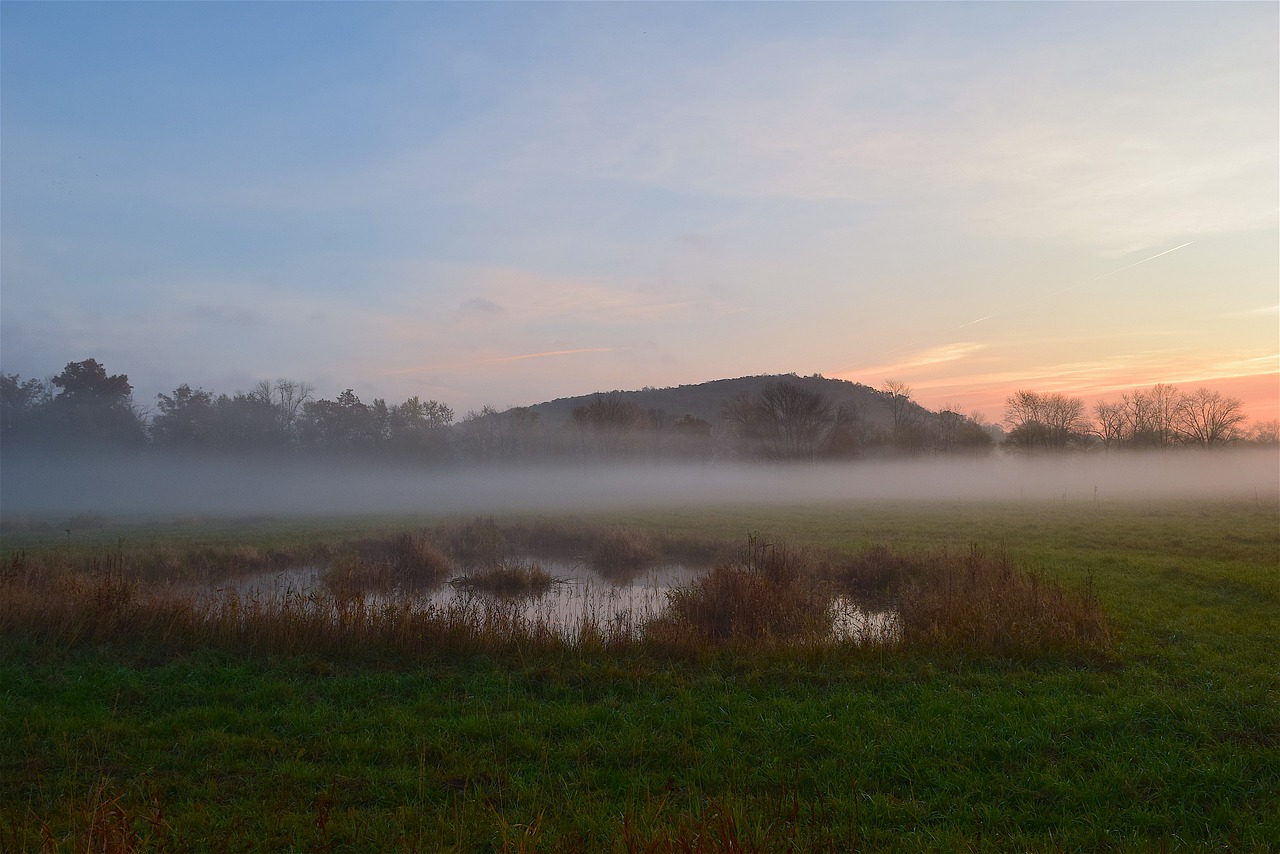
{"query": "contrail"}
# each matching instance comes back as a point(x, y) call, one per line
point(1079, 284)
point(1122, 269)
point(979, 320)
point(499, 359)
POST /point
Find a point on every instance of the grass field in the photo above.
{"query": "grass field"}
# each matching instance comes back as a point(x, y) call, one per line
point(1167, 739)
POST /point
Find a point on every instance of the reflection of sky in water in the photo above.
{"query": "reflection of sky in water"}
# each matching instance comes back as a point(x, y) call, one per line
point(577, 593)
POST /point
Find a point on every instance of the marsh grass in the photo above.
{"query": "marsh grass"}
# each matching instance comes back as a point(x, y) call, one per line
point(511, 579)
point(114, 821)
point(404, 563)
point(982, 603)
point(767, 598)
point(976, 603)
point(103, 605)
point(623, 552)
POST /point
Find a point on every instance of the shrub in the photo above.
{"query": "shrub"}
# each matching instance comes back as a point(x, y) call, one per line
point(771, 597)
point(872, 576)
point(405, 562)
point(982, 603)
point(508, 580)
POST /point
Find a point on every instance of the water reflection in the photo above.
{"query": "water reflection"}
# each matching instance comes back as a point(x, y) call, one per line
point(578, 594)
point(853, 623)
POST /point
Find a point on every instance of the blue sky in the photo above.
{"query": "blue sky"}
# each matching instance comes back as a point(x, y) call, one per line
point(506, 203)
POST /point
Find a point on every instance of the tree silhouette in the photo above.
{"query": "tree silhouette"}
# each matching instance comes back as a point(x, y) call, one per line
point(794, 421)
point(1207, 418)
point(607, 423)
point(92, 407)
point(1050, 422)
point(187, 419)
point(905, 416)
point(419, 430)
point(21, 402)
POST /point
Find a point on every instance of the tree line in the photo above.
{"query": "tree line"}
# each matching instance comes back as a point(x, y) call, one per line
point(1157, 418)
point(84, 407)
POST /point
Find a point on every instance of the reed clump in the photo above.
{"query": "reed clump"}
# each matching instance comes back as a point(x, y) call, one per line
point(872, 576)
point(405, 563)
point(517, 579)
point(771, 597)
point(982, 603)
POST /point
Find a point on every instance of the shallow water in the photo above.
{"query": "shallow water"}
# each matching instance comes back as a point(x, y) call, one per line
point(577, 594)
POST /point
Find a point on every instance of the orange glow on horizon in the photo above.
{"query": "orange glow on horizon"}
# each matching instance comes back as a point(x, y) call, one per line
point(1259, 394)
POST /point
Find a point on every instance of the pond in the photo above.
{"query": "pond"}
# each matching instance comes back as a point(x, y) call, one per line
point(577, 593)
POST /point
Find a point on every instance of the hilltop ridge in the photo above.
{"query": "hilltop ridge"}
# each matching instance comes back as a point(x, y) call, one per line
point(706, 400)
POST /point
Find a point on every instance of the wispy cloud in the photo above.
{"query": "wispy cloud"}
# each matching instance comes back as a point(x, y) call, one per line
point(858, 172)
point(480, 307)
point(1092, 377)
point(528, 297)
point(498, 360)
point(931, 357)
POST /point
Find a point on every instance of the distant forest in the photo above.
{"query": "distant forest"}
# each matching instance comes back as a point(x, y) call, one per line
point(784, 417)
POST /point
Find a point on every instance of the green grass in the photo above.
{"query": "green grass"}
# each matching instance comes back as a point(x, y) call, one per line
point(1170, 742)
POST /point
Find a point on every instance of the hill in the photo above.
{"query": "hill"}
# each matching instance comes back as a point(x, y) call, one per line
point(707, 400)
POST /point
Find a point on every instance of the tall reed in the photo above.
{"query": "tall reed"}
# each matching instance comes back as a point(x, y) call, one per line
point(977, 603)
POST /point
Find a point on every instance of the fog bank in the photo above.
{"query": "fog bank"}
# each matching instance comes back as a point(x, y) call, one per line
point(31, 487)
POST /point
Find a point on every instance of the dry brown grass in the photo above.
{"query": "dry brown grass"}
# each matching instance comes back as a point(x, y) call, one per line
point(767, 598)
point(520, 579)
point(404, 563)
point(982, 603)
point(109, 820)
point(972, 603)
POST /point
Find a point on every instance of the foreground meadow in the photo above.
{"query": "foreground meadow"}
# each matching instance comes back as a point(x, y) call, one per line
point(1152, 722)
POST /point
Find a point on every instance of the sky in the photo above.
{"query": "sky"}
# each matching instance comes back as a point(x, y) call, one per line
point(502, 204)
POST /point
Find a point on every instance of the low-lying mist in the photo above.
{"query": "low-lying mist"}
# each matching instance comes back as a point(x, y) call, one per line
point(32, 487)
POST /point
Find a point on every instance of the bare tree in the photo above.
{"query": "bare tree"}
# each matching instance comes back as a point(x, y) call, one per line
point(513, 434)
point(1138, 418)
point(291, 398)
point(1110, 423)
point(795, 422)
point(1164, 408)
point(1207, 418)
point(1265, 433)
point(899, 400)
point(607, 424)
point(738, 419)
point(947, 429)
point(287, 398)
point(848, 431)
point(1052, 422)
point(1150, 415)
